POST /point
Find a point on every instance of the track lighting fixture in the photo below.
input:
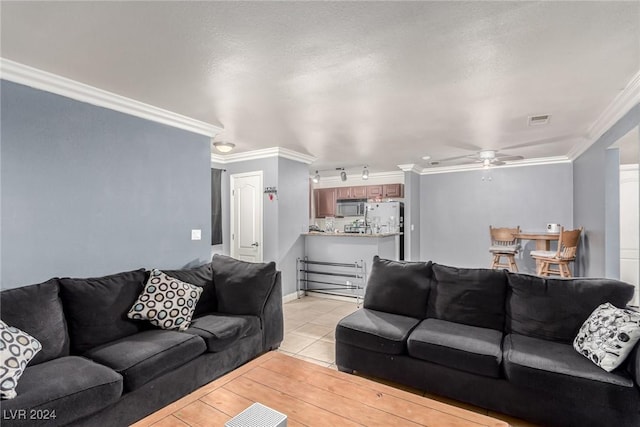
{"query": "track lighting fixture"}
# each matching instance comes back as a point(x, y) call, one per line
point(365, 173)
point(316, 178)
point(343, 176)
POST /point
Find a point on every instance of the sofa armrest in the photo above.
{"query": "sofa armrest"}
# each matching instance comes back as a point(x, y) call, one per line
point(272, 317)
point(254, 289)
point(633, 364)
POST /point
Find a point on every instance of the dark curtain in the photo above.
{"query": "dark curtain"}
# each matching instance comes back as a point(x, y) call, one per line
point(216, 206)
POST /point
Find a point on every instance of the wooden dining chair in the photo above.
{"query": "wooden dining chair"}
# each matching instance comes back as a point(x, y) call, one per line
point(566, 253)
point(504, 243)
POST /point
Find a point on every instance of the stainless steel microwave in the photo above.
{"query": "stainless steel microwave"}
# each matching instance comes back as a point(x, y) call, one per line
point(350, 207)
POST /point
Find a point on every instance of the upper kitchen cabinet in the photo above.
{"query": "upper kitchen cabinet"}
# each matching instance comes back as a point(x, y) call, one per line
point(374, 191)
point(386, 190)
point(358, 192)
point(393, 190)
point(343, 193)
point(325, 199)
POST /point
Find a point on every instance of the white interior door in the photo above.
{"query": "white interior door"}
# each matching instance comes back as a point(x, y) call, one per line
point(246, 216)
point(629, 231)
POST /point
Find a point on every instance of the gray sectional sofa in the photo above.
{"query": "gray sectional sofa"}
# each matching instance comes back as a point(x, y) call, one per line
point(98, 367)
point(495, 339)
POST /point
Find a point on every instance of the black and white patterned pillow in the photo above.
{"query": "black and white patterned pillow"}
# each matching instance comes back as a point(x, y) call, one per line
point(17, 348)
point(608, 336)
point(166, 302)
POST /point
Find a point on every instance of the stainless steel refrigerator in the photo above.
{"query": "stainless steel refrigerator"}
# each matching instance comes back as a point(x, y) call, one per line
point(387, 217)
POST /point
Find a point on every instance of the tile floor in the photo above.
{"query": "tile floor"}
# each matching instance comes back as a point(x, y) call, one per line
point(309, 334)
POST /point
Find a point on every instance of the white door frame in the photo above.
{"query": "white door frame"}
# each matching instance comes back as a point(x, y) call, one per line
point(232, 212)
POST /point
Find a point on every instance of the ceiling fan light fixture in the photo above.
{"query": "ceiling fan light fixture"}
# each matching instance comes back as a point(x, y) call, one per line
point(365, 173)
point(224, 146)
point(487, 154)
point(486, 163)
point(316, 178)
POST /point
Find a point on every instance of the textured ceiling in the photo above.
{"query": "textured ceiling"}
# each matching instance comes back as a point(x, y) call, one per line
point(352, 83)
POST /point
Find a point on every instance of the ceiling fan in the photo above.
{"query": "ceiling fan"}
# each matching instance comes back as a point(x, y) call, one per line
point(486, 157)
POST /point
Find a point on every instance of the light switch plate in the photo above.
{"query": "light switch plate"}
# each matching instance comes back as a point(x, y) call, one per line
point(196, 234)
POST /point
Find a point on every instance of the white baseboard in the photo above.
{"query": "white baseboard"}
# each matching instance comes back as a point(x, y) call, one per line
point(291, 297)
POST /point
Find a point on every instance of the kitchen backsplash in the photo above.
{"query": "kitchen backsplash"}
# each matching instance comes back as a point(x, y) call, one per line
point(339, 223)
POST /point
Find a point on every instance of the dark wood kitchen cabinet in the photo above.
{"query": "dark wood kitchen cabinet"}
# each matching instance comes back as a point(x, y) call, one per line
point(350, 193)
point(386, 190)
point(393, 190)
point(359, 192)
point(343, 193)
point(374, 191)
point(325, 199)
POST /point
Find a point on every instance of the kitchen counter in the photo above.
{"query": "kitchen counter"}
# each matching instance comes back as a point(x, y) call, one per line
point(351, 247)
point(316, 233)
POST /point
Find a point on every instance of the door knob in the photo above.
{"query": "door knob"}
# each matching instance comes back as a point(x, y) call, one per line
point(255, 244)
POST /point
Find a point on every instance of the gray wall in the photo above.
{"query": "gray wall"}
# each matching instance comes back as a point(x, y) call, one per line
point(293, 209)
point(457, 208)
point(591, 172)
point(284, 218)
point(412, 216)
point(88, 191)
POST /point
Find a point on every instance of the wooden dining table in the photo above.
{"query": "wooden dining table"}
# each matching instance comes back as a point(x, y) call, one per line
point(543, 239)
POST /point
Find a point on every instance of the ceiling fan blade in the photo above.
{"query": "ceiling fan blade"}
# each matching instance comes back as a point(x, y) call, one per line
point(449, 159)
point(507, 158)
point(497, 163)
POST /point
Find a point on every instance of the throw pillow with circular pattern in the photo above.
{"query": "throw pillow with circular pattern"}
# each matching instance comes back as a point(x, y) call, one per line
point(166, 302)
point(608, 336)
point(17, 348)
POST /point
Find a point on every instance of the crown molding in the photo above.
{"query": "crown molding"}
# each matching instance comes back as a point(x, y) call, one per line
point(38, 79)
point(621, 104)
point(515, 164)
point(263, 154)
point(410, 167)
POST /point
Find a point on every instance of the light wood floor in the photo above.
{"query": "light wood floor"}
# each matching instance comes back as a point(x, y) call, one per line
point(311, 395)
point(310, 336)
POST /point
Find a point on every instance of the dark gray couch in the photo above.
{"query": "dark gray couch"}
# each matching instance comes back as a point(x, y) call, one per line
point(495, 339)
point(97, 367)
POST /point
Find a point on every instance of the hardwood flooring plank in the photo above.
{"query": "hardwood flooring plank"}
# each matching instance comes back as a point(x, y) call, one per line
point(295, 409)
point(329, 400)
point(170, 421)
point(408, 405)
point(226, 401)
point(199, 414)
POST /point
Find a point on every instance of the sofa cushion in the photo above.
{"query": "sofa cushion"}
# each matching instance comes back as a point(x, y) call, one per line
point(398, 287)
point(242, 287)
point(219, 331)
point(64, 390)
point(376, 331)
point(37, 310)
point(97, 308)
point(546, 365)
point(554, 309)
point(471, 296)
point(17, 348)
point(608, 336)
point(467, 348)
point(144, 356)
point(166, 302)
point(203, 277)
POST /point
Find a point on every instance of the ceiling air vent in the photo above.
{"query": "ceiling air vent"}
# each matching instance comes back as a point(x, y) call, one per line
point(542, 119)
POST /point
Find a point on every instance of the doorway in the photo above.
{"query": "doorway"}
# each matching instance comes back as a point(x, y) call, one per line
point(246, 217)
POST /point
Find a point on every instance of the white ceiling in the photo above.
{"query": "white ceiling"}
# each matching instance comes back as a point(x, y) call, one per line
point(352, 83)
